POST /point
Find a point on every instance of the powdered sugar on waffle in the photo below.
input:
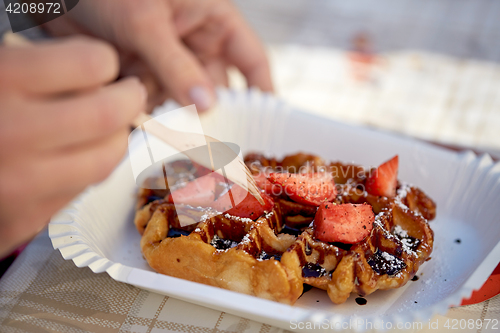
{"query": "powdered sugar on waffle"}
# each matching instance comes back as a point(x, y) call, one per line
point(389, 257)
point(398, 233)
point(241, 219)
point(245, 240)
point(268, 215)
point(401, 194)
point(407, 243)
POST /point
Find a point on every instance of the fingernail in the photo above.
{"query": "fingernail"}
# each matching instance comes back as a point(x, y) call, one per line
point(202, 97)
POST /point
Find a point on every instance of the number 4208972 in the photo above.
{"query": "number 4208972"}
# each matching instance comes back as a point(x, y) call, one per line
point(40, 7)
point(456, 324)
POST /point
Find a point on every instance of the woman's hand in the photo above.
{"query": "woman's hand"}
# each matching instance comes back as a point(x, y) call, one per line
point(179, 48)
point(62, 127)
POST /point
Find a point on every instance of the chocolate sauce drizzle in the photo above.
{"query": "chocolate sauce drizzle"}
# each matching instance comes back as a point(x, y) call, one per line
point(306, 288)
point(361, 300)
point(342, 246)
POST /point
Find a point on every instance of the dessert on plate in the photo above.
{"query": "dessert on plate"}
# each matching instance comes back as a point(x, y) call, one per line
point(338, 227)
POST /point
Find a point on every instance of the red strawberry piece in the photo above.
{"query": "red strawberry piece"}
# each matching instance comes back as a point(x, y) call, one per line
point(245, 205)
point(264, 184)
point(384, 179)
point(309, 188)
point(198, 192)
point(203, 171)
point(346, 223)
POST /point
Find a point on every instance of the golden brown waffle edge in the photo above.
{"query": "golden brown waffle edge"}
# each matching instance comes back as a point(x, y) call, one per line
point(262, 258)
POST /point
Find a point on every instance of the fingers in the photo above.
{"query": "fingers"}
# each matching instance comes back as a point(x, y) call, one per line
point(244, 50)
point(224, 36)
point(156, 91)
point(71, 64)
point(70, 171)
point(90, 116)
point(33, 178)
point(217, 71)
point(156, 41)
point(21, 229)
point(36, 189)
point(60, 130)
point(64, 26)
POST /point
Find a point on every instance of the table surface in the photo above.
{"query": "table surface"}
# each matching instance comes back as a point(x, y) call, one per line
point(42, 292)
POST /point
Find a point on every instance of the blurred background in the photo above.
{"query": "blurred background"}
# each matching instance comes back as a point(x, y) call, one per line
point(429, 69)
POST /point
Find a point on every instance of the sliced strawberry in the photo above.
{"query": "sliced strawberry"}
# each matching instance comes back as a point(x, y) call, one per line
point(384, 179)
point(346, 223)
point(245, 205)
point(264, 184)
point(309, 189)
point(198, 192)
point(203, 171)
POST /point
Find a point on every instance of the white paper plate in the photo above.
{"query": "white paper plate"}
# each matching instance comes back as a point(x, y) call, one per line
point(97, 230)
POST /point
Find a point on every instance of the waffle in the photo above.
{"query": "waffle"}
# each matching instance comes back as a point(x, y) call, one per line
point(275, 255)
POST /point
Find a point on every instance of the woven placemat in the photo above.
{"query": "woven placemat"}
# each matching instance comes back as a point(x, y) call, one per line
point(42, 292)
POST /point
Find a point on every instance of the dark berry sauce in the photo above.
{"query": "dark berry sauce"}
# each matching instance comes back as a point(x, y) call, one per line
point(265, 256)
point(313, 270)
point(152, 198)
point(291, 231)
point(174, 232)
point(222, 244)
point(386, 263)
